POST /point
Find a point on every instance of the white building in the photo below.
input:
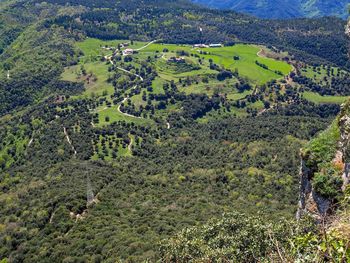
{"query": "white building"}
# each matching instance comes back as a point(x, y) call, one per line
point(128, 51)
point(215, 45)
point(200, 46)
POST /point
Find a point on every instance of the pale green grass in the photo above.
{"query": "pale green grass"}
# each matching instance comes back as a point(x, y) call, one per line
point(215, 114)
point(99, 69)
point(169, 74)
point(223, 87)
point(93, 46)
point(246, 64)
point(317, 98)
point(239, 112)
point(138, 44)
point(138, 101)
point(257, 105)
point(171, 108)
point(114, 115)
point(157, 85)
point(239, 95)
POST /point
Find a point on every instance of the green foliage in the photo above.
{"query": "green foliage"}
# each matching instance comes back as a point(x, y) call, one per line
point(133, 143)
point(324, 246)
point(321, 150)
point(328, 182)
point(242, 238)
point(168, 184)
point(236, 237)
point(38, 57)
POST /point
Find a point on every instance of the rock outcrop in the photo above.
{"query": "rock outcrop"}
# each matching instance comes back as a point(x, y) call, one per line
point(325, 168)
point(309, 200)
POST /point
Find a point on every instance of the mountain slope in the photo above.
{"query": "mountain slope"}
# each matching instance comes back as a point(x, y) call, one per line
point(282, 8)
point(324, 195)
point(314, 40)
point(161, 140)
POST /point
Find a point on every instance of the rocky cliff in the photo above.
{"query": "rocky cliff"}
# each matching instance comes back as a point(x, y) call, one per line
point(325, 168)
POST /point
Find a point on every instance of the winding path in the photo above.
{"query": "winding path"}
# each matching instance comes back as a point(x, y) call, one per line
point(125, 98)
point(258, 53)
point(31, 141)
point(150, 43)
point(124, 113)
point(130, 144)
point(109, 58)
point(69, 141)
point(127, 71)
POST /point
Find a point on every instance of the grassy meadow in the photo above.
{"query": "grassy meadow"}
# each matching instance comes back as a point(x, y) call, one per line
point(317, 98)
point(223, 56)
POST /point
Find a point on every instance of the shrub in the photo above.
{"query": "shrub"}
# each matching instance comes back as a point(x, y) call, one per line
point(323, 148)
point(328, 183)
point(234, 238)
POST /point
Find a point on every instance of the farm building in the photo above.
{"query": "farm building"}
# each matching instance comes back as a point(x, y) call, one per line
point(215, 45)
point(128, 51)
point(200, 46)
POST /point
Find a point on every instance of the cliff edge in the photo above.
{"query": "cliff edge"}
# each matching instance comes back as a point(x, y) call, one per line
point(325, 167)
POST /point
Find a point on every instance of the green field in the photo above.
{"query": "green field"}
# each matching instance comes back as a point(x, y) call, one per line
point(223, 56)
point(157, 86)
point(114, 115)
point(319, 73)
point(317, 98)
point(214, 85)
point(98, 69)
point(239, 95)
point(92, 47)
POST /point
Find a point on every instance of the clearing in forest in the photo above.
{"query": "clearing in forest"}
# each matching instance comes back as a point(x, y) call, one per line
point(193, 70)
point(319, 99)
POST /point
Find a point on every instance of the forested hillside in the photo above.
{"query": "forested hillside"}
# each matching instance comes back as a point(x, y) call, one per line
point(317, 41)
point(158, 130)
point(282, 9)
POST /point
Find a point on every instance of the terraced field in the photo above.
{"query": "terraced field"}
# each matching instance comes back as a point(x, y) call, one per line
point(224, 56)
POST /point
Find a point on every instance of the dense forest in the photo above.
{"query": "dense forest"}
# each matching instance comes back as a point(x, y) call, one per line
point(171, 164)
point(282, 9)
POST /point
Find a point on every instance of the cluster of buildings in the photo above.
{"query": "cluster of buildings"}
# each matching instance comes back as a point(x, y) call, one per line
point(128, 51)
point(205, 46)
